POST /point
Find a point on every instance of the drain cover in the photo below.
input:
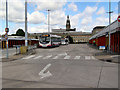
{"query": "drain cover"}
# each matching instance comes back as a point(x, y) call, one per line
point(108, 60)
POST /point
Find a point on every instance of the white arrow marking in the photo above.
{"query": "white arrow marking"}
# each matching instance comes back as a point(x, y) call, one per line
point(43, 74)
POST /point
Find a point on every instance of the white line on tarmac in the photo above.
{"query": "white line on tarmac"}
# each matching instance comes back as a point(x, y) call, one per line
point(77, 57)
point(47, 57)
point(67, 57)
point(62, 54)
point(42, 72)
point(56, 57)
point(92, 57)
point(38, 57)
point(28, 57)
point(87, 57)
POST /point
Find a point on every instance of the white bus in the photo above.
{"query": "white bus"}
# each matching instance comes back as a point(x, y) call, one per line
point(49, 40)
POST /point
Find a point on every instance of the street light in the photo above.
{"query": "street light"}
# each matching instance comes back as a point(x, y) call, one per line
point(109, 21)
point(26, 36)
point(48, 21)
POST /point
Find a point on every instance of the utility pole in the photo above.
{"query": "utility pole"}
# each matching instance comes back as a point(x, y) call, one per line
point(26, 36)
point(48, 20)
point(6, 29)
point(109, 21)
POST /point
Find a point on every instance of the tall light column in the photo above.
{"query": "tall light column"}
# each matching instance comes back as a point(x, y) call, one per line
point(26, 36)
point(7, 30)
point(109, 21)
point(48, 20)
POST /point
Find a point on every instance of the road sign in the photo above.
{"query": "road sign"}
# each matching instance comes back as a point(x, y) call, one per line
point(101, 47)
point(6, 29)
point(118, 18)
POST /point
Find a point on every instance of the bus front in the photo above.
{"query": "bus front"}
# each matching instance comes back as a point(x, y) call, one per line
point(44, 40)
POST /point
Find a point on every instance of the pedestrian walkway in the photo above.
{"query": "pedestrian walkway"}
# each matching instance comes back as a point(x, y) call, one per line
point(4, 56)
point(65, 57)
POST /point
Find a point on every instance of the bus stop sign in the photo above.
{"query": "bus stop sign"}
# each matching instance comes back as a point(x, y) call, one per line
point(118, 18)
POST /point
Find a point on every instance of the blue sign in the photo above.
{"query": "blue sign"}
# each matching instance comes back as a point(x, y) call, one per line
point(102, 47)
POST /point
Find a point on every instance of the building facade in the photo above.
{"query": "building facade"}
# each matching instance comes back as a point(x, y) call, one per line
point(102, 38)
point(77, 37)
point(97, 29)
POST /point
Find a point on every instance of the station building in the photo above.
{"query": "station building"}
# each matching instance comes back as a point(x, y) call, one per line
point(78, 37)
point(102, 38)
point(97, 29)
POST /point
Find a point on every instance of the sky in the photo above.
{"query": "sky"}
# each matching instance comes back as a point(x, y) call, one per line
point(84, 16)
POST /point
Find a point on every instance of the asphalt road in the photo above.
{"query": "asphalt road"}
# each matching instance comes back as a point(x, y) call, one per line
point(69, 66)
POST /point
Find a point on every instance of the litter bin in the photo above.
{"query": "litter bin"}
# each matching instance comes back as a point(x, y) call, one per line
point(23, 49)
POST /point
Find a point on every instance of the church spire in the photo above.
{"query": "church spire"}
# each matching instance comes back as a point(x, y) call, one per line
point(68, 17)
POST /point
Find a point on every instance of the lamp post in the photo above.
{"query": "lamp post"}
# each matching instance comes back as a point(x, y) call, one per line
point(48, 20)
point(109, 21)
point(26, 36)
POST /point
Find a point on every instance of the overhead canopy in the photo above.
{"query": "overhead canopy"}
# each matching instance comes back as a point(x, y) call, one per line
point(113, 28)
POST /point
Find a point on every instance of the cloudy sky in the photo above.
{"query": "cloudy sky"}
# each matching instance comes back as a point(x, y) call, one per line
point(84, 16)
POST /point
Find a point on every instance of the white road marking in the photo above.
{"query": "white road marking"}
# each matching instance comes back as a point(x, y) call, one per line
point(28, 57)
point(67, 57)
point(92, 57)
point(38, 57)
point(47, 57)
point(77, 57)
point(87, 57)
point(43, 74)
point(62, 54)
point(56, 57)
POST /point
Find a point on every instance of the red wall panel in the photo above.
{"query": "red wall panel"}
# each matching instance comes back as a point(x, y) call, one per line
point(102, 41)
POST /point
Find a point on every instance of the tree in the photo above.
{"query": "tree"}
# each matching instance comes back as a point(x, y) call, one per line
point(20, 32)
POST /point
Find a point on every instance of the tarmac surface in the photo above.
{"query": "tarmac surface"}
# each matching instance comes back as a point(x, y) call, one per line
point(68, 66)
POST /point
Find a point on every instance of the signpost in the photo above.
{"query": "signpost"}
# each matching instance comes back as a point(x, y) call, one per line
point(6, 29)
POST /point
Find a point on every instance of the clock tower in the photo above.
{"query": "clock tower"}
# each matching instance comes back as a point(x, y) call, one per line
point(68, 24)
